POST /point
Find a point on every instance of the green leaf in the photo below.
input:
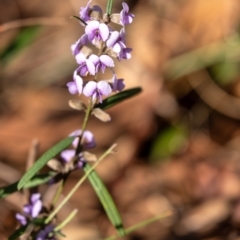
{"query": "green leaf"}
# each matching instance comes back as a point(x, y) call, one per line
point(41, 162)
point(170, 141)
point(117, 98)
point(109, 7)
point(106, 200)
point(22, 40)
point(225, 72)
point(202, 57)
point(35, 181)
point(18, 232)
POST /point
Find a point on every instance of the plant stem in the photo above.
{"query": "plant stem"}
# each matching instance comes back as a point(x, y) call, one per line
point(67, 220)
point(77, 185)
point(142, 224)
point(84, 125)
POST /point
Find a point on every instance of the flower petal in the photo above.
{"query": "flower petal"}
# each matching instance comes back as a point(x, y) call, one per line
point(113, 38)
point(90, 88)
point(90, 67)
point(104, 88)
point(84, 12)
point(79, 83)
point(94, 58)
point(67, 155)
point(91, 27)
point(37, 207)
point(103, 31)
point(88, 140)
point(106, 60)
point(80, 58)
point(35, 197)
point(22, 219)
point(72, 87)
point(125, 7)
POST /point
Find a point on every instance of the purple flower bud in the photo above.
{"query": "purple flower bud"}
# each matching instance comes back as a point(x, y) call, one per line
point(97, 90)
point(32, 209)
point(125, 16)
point(97, 32)
point(22, 219)
point(35, 206)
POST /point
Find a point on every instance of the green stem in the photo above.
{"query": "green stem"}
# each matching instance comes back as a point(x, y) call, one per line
point(59, 190)
point(66, 221)
point(84, 125)
point(141, 224)
point(78, 184)
point(109, 7)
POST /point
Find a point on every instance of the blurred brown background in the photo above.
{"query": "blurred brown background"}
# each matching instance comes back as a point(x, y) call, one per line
point(178, 141)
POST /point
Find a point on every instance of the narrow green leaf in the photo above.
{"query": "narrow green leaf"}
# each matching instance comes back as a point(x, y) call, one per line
point(109, 7)
point(117, 98)
point(106, 200)
point(35, 181)
point(22, 40)
point(41, 162)
point(18, 232)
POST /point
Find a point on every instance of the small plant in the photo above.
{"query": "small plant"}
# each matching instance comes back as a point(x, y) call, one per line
point(94, 52)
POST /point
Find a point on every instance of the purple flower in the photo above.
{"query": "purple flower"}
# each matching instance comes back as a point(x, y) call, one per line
point(97, 90)
point(117, 84)
point(102, 62)
point(76, 85)
point(67, 156)
point(86, 11)
point(88, 140)
point(32, 209)
point(35, 206)
point(97, 32)
point(77, 46)
point(86, 65)
point(116, 42)
point(125, 16)
point(43, 234)
point(125, 54)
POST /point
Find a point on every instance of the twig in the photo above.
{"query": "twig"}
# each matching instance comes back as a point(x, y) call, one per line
point(214, 96)
point(46, 21)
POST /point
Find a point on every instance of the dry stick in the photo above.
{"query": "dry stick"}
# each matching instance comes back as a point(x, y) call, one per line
point(214, 96)
point(46, 21)
point(31, 158)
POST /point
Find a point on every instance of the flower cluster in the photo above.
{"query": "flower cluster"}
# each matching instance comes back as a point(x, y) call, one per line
point(74, 158)
point(110, 44)
point(87, 142)
point(32, 211)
